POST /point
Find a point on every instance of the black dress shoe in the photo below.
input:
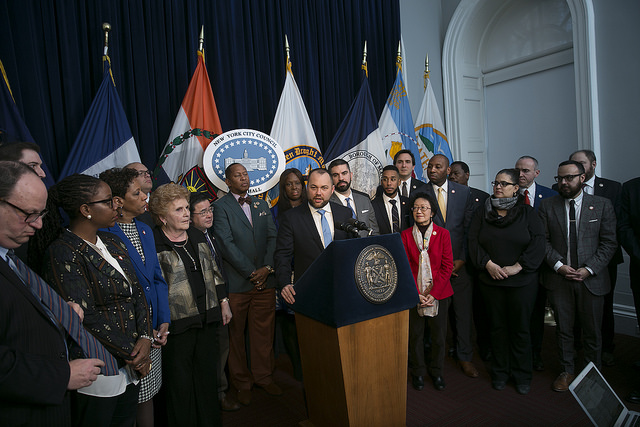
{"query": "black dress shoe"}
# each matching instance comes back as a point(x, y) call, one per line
point(417, 382)
point(634, 396)
point(498, 385)
point(438, 383)
point(523, 388)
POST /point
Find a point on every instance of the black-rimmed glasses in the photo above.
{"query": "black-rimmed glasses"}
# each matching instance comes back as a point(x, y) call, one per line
point(204, 211)
point(502, 184)
point(30, 217)
point(567, 178)
point(108, 202)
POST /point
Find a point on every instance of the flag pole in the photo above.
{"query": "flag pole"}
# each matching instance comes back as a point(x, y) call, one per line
point(426, 70)
point(201, 42)
point(288, 51)
point(364, 60)
point(106, 27)
point(399, 57)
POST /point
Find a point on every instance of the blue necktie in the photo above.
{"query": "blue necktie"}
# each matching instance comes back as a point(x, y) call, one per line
point(353, 212)
point(326, 231)
point(63, 313)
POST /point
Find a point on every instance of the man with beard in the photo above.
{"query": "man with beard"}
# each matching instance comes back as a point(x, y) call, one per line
point(580, 234)
point(391, 209)
point(612, 190)
point(455, 209)
point(306, 230)
point(358, 202)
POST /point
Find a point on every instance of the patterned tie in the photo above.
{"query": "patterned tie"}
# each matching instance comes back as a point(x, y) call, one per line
point(243, 200)
point(573, 235)
point(326, 231)
point(441, 204)
point(405, 193)
point(526, 198)
point(350, 206)
point(64, 314)
point(395, 218)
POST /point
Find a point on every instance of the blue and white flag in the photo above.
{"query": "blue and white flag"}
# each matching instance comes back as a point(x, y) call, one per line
point(430, 129)
point(12, 127)
point(292, 129)
point(358, 141)
point(396, 123)
point(105, 139)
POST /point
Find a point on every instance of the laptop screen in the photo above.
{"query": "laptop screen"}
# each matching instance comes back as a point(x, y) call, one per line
point(598, 399)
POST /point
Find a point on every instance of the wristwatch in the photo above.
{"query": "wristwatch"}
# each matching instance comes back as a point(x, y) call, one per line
point(269, 269)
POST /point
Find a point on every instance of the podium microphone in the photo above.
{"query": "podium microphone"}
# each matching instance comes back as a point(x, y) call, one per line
point(347, 226)
point(360, 225)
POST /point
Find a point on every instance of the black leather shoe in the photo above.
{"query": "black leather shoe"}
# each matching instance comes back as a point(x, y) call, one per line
point(498, 385)
point(634, 396)
point(417, 382)
point(438, 383)
point(523, 388)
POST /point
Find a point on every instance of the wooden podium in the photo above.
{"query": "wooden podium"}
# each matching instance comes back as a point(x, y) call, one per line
point(354, 352)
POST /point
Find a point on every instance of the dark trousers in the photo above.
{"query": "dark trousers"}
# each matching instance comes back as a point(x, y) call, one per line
point(634, 275)
point(574, 305)
point(509, 310)
point(105, 411)
point(438, 327)
point(222, 336)
point(537, 321)
point(608, 324)
point(255, 310)
point(462, 306)
point(190, 377)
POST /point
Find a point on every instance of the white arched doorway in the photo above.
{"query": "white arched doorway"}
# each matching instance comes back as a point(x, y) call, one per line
point(519, 79)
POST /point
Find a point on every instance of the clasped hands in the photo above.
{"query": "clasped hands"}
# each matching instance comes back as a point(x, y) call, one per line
point(259, 278)
point(570, 273)
point(500, 273)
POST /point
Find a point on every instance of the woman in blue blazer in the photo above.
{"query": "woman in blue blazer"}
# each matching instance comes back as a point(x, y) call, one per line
point(131, 202)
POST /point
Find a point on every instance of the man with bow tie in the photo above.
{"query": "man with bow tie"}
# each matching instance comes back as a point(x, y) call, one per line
point(247, 235)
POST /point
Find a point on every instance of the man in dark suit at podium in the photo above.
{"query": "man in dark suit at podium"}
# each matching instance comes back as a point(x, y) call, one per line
point(306, 230)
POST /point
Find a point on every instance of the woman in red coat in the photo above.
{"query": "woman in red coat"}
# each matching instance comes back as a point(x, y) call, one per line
point(428, 248)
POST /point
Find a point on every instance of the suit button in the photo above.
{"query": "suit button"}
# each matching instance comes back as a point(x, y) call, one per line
point(62, 355)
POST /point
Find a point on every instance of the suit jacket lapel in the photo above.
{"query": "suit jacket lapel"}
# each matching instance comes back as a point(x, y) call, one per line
point(310, 224)
point(237, 209)
point(586, 215)
point(94, 257)
point(561, 215)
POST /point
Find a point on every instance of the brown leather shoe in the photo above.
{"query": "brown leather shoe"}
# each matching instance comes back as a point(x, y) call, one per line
point(229, 404)
point(271, 389)
point(562, 382)
point(469, 369)
point(244, 397)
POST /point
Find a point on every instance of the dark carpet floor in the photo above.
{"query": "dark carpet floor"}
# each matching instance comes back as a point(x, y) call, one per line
point(466, 401)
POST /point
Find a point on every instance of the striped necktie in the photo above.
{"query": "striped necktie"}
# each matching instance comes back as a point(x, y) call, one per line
point(350, 206)
point(64, 314)
point(395, 218)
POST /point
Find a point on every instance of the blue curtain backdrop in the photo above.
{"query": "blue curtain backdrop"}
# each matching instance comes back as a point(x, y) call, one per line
point(52, 53)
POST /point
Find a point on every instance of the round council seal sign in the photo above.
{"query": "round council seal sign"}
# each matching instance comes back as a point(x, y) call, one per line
point(258, 152)
point(376, 274)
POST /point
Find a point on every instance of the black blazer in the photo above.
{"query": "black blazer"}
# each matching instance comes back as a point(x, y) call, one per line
point(383, 219)
point(34, 372)
point(629, 220)
point(299, 243)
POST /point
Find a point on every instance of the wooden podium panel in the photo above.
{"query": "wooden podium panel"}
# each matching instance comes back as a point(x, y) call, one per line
point(355, 375)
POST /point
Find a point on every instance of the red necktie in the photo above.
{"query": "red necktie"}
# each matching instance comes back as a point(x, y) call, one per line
point(526, 198)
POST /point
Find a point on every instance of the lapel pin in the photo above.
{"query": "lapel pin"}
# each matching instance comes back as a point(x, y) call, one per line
point(453, 191)
point(144, 232)
point(120, 257)
point(601, 185)
point(435, 232)
point(539, 196)
point(590, 208)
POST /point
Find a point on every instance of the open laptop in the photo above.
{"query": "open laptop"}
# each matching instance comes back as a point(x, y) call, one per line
point(598, 400)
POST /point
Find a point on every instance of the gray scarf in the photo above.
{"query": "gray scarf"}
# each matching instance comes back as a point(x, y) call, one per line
point(500, 204)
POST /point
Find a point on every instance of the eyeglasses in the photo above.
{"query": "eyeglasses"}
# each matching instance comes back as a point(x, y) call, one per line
point(501, 184)
point(567, 178)
point(204, 211)
point(30, 217)
point(108, 202)
point(421, 208)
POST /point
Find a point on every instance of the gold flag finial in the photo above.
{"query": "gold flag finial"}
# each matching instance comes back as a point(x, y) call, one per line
point(399, 57)
point(426, 70)
point(106, 27)
point(201, 40)
point(364, 60)
point(287, 50)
